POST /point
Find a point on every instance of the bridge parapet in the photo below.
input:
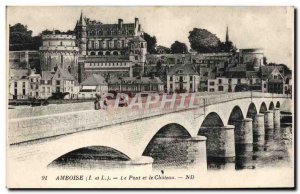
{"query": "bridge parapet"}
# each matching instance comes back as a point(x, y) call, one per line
point(44, 126)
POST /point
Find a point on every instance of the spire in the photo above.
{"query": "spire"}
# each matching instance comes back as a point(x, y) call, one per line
point(227, 35)
point(81, 20)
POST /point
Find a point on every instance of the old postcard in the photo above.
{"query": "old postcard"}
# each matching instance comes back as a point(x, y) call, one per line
point(150, 97)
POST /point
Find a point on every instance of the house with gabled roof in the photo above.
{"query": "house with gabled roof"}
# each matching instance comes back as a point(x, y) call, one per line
point(92, 85)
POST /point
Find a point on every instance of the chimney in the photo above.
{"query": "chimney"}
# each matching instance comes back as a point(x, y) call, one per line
point(136, 22)
point(120, 23)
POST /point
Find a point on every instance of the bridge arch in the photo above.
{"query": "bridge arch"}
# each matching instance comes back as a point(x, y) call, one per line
point(263, 108)
point(271, 106)
point(212, 120)
point(235, 115)
point(99, 153)
point(167, 145)
point(252, 111)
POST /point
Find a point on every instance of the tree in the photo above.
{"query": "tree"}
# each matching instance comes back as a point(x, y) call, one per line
point(151, 43)
point(20, 38)
point(179, 47)
point(202, 40)
point(226, 47)
point(162, 50)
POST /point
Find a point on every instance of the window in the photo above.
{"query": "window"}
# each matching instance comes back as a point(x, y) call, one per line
point(275, 77)
point(171, 78)
point(229, 80)
point(220, 81)
point(265, 85)
point(180, 78)
point(211, 83)
point(60, 43)
point(93, 44)
point(211, 89)
point(43, 89)
point(24, 92)
point(136, 57)
point(171, 86)
point(23, 84)
point(239, 81)
point(191, 86)
point(191, 78)
point(57, 82)
point(221, 88)
point(48, 89)
point(16, 84)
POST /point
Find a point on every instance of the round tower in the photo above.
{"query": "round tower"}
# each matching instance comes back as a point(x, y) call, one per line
point(59, 50)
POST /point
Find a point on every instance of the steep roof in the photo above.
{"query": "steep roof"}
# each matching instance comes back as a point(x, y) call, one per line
point(17, 74)
point(186, 69)
point(63, 74)
point(94, 80)
point(138, 39)
point(47, 75)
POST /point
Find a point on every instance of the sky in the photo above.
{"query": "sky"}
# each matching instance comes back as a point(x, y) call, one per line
point(269, 28)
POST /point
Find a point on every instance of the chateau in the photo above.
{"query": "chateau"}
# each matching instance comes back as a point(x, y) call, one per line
point(98, 57)
point(114, 50)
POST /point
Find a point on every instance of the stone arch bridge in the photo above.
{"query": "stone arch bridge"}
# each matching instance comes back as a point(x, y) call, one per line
point(215, 127)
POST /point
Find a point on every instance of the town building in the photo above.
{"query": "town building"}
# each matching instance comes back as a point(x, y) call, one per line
point(182, 79)
point(94, 84)
point(34, 82)
point(275, 81)
point(136, 84)
point(18, 84)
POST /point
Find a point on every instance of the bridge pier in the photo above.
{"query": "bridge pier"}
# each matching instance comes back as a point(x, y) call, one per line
point(269, 121)
point(220, 145)
point(244, 144)
point(197, 153)
point(258, 132)
point(269, 129)
point(244, 135)
point(276, 123)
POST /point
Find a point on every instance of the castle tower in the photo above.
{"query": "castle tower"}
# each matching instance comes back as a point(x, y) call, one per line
point(59, 51)
point(81, 34)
